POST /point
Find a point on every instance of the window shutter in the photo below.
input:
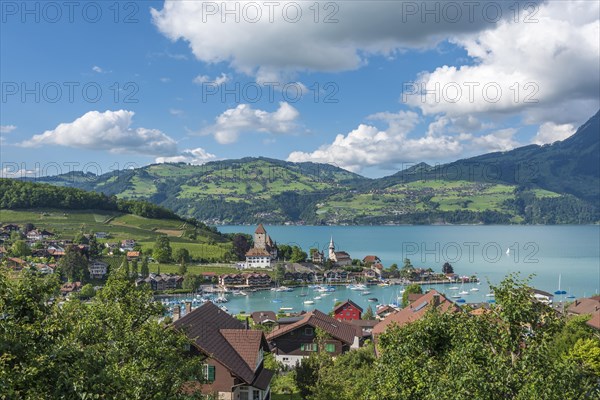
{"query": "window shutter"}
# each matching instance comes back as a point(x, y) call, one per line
point(211, 373)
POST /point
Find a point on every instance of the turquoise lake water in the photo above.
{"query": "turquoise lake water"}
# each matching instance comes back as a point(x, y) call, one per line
point(571, 252)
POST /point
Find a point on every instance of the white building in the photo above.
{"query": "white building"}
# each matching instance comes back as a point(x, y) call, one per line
point(264, 251)
point(98, 269)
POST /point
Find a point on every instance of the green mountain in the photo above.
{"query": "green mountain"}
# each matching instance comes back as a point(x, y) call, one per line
point(557, 183)
point(571, 166)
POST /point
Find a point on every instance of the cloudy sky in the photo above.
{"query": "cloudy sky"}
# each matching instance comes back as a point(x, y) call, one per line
point(371, 86)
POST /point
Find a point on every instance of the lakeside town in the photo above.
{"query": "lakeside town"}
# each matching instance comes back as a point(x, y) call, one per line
point(195, 305)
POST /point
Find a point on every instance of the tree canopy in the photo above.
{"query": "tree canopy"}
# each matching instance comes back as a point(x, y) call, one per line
point(111, 348)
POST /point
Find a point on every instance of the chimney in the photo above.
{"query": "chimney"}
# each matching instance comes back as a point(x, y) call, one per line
point(176, 313)
point(188, 307)
point(436, 300)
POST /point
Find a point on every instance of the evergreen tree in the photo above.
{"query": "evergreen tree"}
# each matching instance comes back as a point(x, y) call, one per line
point(368, 314)
point(162, 249)
point(74, 265)
point(145, 271)
point(134, 269)
point(125, 266)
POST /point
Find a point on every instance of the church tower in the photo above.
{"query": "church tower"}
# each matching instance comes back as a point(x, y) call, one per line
point(332, 250)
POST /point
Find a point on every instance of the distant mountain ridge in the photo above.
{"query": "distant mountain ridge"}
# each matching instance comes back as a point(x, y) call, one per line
point(556, 183)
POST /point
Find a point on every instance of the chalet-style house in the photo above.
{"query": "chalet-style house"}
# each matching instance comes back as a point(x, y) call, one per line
point(264, 251)
point(383, 311)
point(234, 367)
point(317, 257)
point(416, 311)
point(161, 282)
point(347, 311)
point(15, 263)
point(244, 280)
point(133, 255)
point(97, 269)
point(266, 318)
point(371, 260)
point(70, 287)
point(589, 306)
point(127, 245)
point(339, 258)
point(290, 343)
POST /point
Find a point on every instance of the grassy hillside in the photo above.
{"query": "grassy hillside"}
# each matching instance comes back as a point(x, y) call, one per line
point(66, 224)
point(558, 183)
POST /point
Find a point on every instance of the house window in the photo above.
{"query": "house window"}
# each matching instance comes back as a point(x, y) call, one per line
point(308, 331)
point(209, 373)
point(330, 347)
point(308, 347)
point(256, 395)
point(244, 394)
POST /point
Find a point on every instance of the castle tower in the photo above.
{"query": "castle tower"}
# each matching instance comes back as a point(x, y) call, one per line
point(260, 237)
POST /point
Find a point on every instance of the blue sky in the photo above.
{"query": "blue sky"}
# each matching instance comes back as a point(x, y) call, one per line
point(156, 81)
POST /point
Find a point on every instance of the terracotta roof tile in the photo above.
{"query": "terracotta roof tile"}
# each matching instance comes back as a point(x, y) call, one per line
point(594, 322)
point(410, 313)
point(584, 306)
point(260, 229)
point(255, 252)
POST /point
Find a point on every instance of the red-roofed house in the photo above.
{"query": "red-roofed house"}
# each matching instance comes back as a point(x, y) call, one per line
point(347, 311)
point(371, 260)
point(292, 342)
point(416, 311)
point(234, 367)
point(589, 306)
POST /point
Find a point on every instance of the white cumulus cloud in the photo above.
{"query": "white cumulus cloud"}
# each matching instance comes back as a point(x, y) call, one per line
point(369, 146)
point(196, 156)
point(543, 65)
point(550, 132)
point(269, 38)
point(230, 124)
point(109, 130)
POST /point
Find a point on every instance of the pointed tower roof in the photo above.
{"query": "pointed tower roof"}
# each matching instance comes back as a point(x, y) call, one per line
point(331, 245)
point(260, 229)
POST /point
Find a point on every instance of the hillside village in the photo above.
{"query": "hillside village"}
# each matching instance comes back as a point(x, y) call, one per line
point(247, 356)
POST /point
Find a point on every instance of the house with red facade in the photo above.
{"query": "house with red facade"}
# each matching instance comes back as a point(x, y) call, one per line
point(347, 311)
point(233, 355)
point(290, 343)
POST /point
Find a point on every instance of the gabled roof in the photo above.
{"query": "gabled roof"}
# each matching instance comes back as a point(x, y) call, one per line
point(410, 313)
point(223, 338)
point(370, 259)
point(584, 306)
point(594, 322)
point(260, 229)
point(256, 252)
point(246, 342)
point(338, 329)
point(335, 310)
point(260, 317)
point(385, 309)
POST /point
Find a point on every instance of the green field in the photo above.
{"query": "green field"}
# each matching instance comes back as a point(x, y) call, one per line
point(120, 226)
point(431, 195)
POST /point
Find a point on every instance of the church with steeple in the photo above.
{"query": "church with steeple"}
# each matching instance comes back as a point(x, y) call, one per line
point(339, 258)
